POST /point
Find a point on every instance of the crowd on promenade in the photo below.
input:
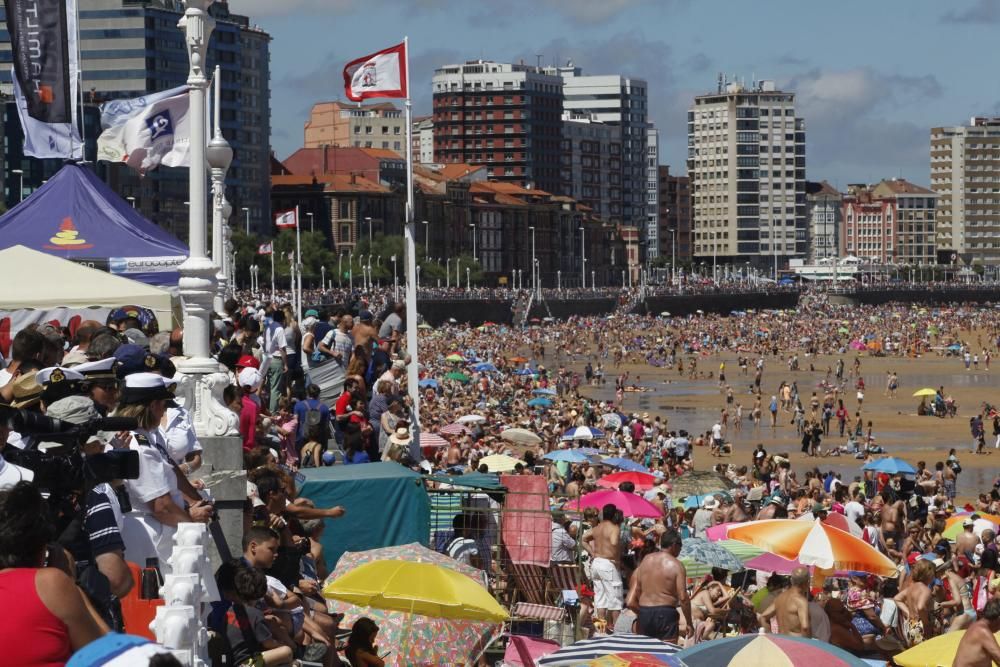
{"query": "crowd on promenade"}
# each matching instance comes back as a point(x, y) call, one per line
point(545, 380)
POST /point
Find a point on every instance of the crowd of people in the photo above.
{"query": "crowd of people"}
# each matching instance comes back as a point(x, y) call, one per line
point(74, 543)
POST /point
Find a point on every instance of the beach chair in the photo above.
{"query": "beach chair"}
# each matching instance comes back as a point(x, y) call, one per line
point(563, 577)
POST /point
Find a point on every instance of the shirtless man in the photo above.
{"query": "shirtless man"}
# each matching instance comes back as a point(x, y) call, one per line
point(966, 542)
point(915, 602)
point(978, 647)
point(604, 545)
point(892, 518)
point(791, 607)
point(659, 586)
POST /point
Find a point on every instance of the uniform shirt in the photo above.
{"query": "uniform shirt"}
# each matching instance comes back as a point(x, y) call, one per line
point(156, 474)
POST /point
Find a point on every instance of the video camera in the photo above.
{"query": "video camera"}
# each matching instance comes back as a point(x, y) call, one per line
point(68, 471)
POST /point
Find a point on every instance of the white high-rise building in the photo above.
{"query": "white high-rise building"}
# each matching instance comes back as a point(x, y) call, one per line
point(747, 163)
point(652, 234)
point(965, 173)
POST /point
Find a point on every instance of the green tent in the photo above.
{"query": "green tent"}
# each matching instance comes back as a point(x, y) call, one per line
point(386, 506)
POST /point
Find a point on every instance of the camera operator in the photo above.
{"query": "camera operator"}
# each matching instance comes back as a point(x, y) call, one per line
point(26, 394)
point(93, 537)
point(158, 503)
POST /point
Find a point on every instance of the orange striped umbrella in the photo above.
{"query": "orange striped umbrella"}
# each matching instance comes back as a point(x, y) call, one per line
point(958, 518)
point(814, 543)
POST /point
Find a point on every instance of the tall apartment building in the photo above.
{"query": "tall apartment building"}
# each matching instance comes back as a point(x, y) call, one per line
point(892, 222)
point(350, 125)
point(747, 163)
point(675, 215)
point(590, 163)
point(423, 140)
point(652, 235)
point(129, 48)
point(824, 205)
point(965, 172)
point(616, 100)
point(502, 115)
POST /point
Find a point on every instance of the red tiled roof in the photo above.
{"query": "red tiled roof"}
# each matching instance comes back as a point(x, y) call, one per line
point(332, 182)
point(901, 186)
point(382, 153)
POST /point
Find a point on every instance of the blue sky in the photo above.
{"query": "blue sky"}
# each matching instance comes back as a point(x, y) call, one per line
point(871, 76)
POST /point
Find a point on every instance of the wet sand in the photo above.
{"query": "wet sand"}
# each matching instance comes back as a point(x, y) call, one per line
point(694, 405)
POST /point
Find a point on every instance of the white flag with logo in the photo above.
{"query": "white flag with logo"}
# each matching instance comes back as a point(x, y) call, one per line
point(147, 131)
point(380, 74)
point(286, 220)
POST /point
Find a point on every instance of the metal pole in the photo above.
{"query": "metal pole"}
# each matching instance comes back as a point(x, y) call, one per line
point(475, 255)
point(395, 280)
point(447, 274)
point(272, 273)
point(246, 213)
point(322, 279)
point(583, 258)
point(298, 266)
point(412, 368)
point(427, 244)
point(369, 221)
point(458, 274)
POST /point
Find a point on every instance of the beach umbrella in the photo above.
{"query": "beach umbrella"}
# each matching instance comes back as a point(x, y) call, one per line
point(544, 391)
point(624, 464)
point(629, 503)
point(427, 589)
point(643, 481)
point(460, 377)
point(454, 356)
point(691, 502)
point(524, 371)
point(428, 439)
point(524, 651)
point(499, 462)
point(429, 382)
point(891, 466)
point(424, 326)
point(814, 544)
point(471, 419)
point(583, 433)
point(699, 482)
point(484, 367)
point(926, 391)
point(586, 650)
point(612, 420)
point(518, 360)
point(567, 455)
point(720, 531)
point(954, 527)
point(837, 520)
point(664, 314)
point(708, 553)
point(539, 403)
point(520, 436)
point(416, 639)
point(761, 649)
point(454, 429)
point(589, 451)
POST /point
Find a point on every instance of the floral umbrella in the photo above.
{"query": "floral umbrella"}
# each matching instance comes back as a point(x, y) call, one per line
point(429, 641)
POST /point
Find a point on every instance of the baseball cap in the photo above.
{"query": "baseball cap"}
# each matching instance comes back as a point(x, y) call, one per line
point(131, 359)
point(312, 312)
point(248, 361)
point(366, 316)
point(250, 377)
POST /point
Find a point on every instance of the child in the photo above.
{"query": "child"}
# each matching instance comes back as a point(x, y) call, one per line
point(284, 427)
point(250, 639)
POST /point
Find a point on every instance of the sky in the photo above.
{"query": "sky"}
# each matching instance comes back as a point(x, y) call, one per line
point(871, 77)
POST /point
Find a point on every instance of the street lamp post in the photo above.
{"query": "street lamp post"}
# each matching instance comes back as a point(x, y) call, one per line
point(447, 274)
point(369, 221)
point(20, 183)
point(468, 280)
point(131, 200)
point(475, 255)
point(583, 258)
point(427, 243)
point(534, 263)
point(458, 274)
point(322, 279)
point(593, 280)
point(246, 213)
point(673, 256)
point(395, 280)
point(350, 270)
point(312, 227)
point(558, 280)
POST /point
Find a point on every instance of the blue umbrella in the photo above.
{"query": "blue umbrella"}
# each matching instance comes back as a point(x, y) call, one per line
point(539, 403)
point(567, 455)
point(546, 391)
point(423, 384)
point(625, 464)
point(484, 367)
point(890, 465)
point(583, 433)
point(589, 451)
point(954, 347)
point(524, 371)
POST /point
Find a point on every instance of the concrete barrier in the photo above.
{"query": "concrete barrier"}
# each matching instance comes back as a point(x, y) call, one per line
point(687, 304)
point(562, 309)
point(465, 311)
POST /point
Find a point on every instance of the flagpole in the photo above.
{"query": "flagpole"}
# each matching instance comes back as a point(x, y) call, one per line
point(273, 291)
point(298, 265)
point(413, 367)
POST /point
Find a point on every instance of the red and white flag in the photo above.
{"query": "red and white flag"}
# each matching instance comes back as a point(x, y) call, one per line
point(265, 249)
point(381, 74)
point(286, 220)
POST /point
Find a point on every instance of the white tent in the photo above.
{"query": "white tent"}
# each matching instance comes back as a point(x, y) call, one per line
point(40, 282)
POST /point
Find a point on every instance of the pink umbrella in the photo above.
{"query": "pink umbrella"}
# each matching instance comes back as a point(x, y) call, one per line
point(432, 440)
point(857, 345)
point(778, 565)
point(720, 531)
point(524, 651)
point(454, 429)
point(629, 503)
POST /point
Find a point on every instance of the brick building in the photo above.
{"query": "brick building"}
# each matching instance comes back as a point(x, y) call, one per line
point(892, 222)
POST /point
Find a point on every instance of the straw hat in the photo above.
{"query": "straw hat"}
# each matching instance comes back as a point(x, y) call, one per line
point(401, 436)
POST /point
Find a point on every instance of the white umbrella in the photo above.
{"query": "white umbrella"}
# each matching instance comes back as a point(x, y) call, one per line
point(520, 436)
point(471, 419)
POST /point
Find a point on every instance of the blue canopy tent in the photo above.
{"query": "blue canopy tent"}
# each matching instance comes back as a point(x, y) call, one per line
point(77, 217)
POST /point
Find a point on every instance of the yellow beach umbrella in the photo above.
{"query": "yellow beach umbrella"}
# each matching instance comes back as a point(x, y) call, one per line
point(937, 652)
point(927, 391)
point(424, 589)
point(499, 462)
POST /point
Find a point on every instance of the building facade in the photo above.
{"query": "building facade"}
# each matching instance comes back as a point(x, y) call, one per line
point(965, 173)
point(590, 164)
point(675, 216)
point(651, 236)
point(131, 48)
point(747, 164)
point(502, 115)
point(347, 124)
point(825, 205)
point(892, 222)
point(423, 140)
point(622, 101)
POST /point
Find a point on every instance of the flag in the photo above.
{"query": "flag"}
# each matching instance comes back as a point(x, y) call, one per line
point(147, 131)
point(286, 220)
point(265, 249)
point(46, 75)
point(381, 74)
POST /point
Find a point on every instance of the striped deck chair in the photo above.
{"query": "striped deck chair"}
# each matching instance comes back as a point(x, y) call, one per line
point(522, 582)
point(563, 577)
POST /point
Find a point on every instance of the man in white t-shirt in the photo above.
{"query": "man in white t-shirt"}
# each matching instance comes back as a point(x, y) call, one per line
point(276, 350)
point(854, 510)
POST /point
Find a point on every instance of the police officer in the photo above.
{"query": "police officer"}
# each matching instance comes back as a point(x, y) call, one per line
point(101, 383)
